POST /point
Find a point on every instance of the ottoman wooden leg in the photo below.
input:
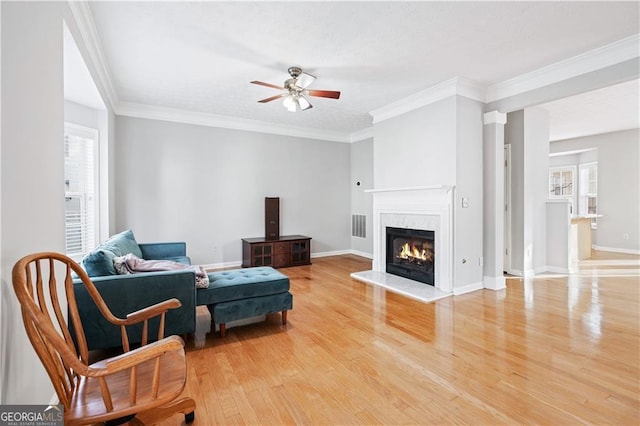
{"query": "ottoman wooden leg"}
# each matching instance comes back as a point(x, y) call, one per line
point(284, 317)
point(223, 329)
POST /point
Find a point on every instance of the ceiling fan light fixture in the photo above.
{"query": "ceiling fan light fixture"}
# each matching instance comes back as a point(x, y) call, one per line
point(304, 80)
point(295, 91)
point(303, 103)
point(290, 103)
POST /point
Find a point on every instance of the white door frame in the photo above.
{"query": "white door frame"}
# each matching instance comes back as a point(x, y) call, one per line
point(507, 208)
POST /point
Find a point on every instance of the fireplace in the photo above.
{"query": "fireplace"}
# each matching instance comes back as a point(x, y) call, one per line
point(424, 208)
point(411, 254)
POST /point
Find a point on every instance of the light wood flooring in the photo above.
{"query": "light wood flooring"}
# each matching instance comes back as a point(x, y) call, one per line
point(554, 350)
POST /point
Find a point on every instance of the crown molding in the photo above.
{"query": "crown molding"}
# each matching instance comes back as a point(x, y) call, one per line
point(454, 86)
point(361, 135)
point(86, 25)
point(131, 109)
point(593, 60)
point(611, 54)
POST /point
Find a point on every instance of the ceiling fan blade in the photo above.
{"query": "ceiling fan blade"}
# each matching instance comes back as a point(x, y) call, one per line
point(324, 94)
point(304, 80)
point(273, 86)
point(272, 98)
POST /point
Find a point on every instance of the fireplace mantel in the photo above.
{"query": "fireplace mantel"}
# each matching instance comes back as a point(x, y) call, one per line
point(446, 188)
point(423, 207)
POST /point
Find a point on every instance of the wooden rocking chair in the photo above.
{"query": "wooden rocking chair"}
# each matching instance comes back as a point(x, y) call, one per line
point(113, 390)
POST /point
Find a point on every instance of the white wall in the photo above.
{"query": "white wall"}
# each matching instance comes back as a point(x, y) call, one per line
point(439, 144)
point(361, 202)
point(468, 221)
point(527, 131)
point(417, 148)
point(564, 160)
point(559, 247)
point(206, 186)
point(32, 171)
point(32, 174)
point(493, 213)
point(80, 115)
point(3, 329)
point(618, 186)
point(537, 181)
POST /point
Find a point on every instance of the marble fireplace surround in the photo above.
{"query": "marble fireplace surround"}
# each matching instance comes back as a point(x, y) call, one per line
point(427, 208)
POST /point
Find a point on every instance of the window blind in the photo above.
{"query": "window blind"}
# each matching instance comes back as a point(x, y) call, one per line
point(80, 180)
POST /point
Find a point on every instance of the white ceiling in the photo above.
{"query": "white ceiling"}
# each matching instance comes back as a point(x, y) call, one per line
point(200, 56)
point(600, 111)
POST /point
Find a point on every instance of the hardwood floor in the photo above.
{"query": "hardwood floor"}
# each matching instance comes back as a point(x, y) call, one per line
point(552, 350)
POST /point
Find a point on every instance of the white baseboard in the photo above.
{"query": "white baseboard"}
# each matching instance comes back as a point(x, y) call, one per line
point(362, 254)
point(526, 274)
point(214, 266)
point(530, 273)
point(457, 291)
point(616, 250)
point(330, 253)
point(494, 283)
point(558, 270)
point(540, 270)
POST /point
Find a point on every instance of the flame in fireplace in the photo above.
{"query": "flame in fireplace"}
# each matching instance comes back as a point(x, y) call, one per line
point(412, 253)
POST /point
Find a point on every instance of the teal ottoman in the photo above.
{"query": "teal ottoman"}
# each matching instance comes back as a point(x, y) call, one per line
point(245, 293)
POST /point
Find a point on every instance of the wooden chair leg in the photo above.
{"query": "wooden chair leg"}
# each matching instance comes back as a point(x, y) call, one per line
point(223, 329)
point(284, 317)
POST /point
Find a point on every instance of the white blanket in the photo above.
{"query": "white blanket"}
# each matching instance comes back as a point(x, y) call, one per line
point(131, 264)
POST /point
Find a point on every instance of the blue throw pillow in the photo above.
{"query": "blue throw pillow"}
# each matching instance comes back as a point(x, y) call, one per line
point(99, 263)
point(122, 243)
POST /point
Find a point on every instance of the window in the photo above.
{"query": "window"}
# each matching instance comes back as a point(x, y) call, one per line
point(589, 191)
point(561, 183)
point(81, 189)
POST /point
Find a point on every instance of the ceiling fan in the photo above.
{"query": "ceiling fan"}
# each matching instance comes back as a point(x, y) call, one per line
point(295, 91)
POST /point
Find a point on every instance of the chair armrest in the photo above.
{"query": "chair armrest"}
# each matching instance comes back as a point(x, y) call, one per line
point(151, 311)
point(136, 356)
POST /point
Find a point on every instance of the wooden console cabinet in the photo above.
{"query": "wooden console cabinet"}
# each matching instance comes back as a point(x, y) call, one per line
point(287, 250)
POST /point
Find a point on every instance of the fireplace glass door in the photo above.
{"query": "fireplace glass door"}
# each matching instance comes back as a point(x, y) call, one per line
point(411, 254)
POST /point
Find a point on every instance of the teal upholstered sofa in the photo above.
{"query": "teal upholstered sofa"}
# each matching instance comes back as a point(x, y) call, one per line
point(127, 293)
point(231, 295)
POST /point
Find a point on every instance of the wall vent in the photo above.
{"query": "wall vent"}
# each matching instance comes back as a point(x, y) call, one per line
point(359, 225)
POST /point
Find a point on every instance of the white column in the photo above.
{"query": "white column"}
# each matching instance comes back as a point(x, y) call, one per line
point(493, 206)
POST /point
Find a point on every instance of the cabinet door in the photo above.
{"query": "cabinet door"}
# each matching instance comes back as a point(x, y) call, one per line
point(300, 252)
point(262, 254)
